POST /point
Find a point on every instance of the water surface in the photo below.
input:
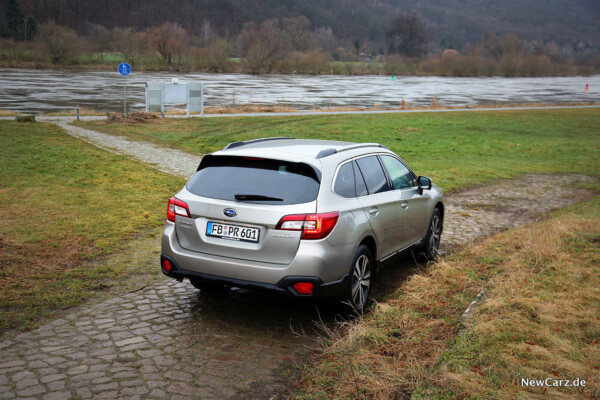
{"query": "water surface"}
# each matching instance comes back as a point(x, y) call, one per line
point(31, 90)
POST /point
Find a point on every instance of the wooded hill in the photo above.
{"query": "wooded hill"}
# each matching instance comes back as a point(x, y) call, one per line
point(448, 23)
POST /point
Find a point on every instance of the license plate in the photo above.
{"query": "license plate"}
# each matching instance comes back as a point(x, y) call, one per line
point(232, 232)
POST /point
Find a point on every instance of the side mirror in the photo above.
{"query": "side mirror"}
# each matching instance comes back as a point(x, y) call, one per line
point(424, 184)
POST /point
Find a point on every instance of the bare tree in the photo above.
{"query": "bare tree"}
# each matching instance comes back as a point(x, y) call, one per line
point(170, 39)
point(262, 46)
point(326, 39)
point(61, 43)
point(100, 39)
point(407, 36)
point(498, 46)
point(214, 58)
point(129, 43)
point(493, 45)
point(300, 37)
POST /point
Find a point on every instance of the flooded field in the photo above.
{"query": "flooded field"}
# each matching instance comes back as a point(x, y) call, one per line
point(30, 90)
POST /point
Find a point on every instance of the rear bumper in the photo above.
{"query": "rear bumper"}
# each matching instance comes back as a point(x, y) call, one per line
point(319, 262)
point(284, 286)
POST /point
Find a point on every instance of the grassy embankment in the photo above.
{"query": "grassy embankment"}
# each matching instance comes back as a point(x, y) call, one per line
point(65, 204)
point(540, 320)
point(455, 149)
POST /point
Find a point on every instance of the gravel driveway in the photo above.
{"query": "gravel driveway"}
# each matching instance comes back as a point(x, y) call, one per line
point(169, 341)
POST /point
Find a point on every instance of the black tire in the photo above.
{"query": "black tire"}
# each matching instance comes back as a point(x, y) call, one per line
point(360, 281)
point(207, 286)
point(431, 243)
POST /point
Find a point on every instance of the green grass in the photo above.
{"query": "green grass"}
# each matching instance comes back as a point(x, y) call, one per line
point(66, 203)
point(456, 149)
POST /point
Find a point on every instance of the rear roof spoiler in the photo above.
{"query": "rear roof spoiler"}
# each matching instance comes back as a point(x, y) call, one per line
point(207, 159)
point(233, 145)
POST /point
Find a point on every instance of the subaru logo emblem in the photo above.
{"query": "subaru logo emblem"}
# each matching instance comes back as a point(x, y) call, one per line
point(230, 212)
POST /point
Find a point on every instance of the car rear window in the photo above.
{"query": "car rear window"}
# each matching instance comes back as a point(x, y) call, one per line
point(224, 177)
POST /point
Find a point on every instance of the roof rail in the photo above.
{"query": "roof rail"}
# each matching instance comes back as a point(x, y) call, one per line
point(331, 151)
point(233, 145)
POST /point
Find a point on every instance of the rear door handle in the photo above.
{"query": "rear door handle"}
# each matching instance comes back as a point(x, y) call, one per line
point(374, 211)
point(404, 205)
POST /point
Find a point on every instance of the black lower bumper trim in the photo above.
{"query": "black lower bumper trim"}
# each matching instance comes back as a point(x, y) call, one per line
point(285, 285)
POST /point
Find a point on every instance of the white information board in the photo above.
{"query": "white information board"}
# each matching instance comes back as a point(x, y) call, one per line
point(160, 93)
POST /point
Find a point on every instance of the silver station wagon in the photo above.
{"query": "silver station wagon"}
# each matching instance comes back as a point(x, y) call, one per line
point(310, 218)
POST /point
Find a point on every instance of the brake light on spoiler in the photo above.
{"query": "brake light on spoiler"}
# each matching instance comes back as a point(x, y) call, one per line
point(313, 226)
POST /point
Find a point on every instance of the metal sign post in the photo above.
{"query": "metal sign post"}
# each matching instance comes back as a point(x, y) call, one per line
point(124, 69)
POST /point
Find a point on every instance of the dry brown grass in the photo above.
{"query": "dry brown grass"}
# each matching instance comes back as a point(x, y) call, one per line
point(249, 108)
point(541, 318)
point(390, 352)
point(132, 118)
point(82, 111)
point(257, 108)
point(7, 113)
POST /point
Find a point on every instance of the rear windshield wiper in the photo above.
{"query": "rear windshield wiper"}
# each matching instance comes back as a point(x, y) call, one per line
point(250, 197)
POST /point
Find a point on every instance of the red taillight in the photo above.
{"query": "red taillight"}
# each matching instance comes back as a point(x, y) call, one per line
point(313, 226)
point(166, 265)
point(303, 287)
point(177, 207)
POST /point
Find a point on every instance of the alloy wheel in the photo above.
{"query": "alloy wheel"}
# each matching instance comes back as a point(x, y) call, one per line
point(436, 233)
point(361, 281)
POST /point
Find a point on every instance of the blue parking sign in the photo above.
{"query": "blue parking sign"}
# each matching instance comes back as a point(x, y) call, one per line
point(124, 69)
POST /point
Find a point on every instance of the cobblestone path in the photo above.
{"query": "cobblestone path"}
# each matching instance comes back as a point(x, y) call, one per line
point(170, 341)
point(483, 210)
point(162, 342)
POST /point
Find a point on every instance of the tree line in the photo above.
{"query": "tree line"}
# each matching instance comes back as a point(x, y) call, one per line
point(279, 45)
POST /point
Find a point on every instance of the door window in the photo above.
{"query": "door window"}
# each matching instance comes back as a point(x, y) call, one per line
point(401, 177)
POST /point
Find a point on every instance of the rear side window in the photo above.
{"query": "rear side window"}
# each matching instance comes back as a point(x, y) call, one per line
point(254, 180)
point(344, 182)
point(373, 174)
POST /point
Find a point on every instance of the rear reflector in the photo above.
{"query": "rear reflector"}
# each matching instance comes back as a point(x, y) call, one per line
point(303, 287)
point(313, 226)
point(177, 207)
point(166, 265)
